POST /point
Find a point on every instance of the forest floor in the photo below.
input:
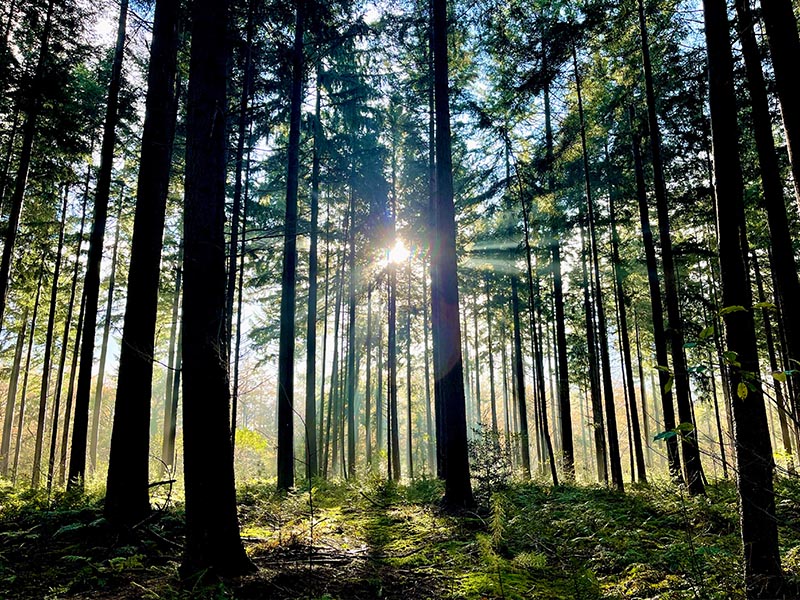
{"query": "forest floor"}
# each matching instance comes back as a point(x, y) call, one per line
point(372, 540)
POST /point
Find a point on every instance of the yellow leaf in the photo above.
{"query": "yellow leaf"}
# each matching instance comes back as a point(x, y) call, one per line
point(741, 390)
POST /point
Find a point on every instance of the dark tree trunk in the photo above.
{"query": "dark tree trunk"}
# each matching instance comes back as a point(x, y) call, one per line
point(8, 420)
point(762, 565)
point(170, 399)
point(127, 499)
point(478, 409)
point(392, 427)
point(598, 426)
point(368, 383)
point(91, 286)
point(352, 373)
point(408, 374)
point(65, 341)
point(783, 264)
point(24, 162)
point(444, 291)
point(492, 391)
point(241, 131)
point(73, 372)
point(602, 331)
point(429, 426)
point(519, 371)
point(24, 394)
point(780, 401)
point(637, 451)
point(48, 351)
point(101, 372)
point(659, 335)
point(689, 441)
point(784, 46)
point(289, 272)
point(212, 529)
point(312, 466)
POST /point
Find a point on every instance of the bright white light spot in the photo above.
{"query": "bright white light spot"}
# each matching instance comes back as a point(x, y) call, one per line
point(399, 253)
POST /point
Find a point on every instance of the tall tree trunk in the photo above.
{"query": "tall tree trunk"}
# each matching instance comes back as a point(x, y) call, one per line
point(520, 382)
point(48, 350)
point(352, 374)
point(91, 286)
point(212, 528)
point(642, 392)
point(24, 394)
point(428, 408)
point(444, 290)
point(780, 401)
point(170, 401)
point(101, 372)
point(602, 331)
point(784, 46)
point(289, 273)
point(762, 565)
point(637, 450)
point(477, 363)
point(784, 265)
point(408, 373)
point(492, 393)
point(312, 467)
point(26, 151)
point(598, 425)
point(241, 130)
point(659, 335)
point(368, 383)
point(392, 427)
point(65, 340)
point(73, 372)
point(689, 441)
point(8, 420)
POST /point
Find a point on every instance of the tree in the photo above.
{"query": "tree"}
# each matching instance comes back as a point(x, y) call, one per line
point(762, 565)
point(212, 529)
point(91, 287)
point(448, 369)
point(127, 498)
point(289, 272)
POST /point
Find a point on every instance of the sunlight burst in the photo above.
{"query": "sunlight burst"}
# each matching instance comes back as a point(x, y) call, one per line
point(399, 253)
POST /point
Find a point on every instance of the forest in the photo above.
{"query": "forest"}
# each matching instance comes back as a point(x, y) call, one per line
point(352, 299)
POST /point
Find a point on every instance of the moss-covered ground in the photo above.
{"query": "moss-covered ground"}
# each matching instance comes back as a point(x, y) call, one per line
point(372, 540)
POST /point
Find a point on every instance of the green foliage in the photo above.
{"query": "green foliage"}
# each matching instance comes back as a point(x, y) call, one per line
point(490, 464)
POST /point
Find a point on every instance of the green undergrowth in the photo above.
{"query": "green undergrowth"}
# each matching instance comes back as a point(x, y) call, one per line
point(376, 539)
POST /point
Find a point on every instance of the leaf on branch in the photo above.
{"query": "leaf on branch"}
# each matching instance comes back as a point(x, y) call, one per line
point(727, 310)
point(661, 368)
point(741, 390)
point(779, 376)
point(685, 428)
point(707, 332)
point(668, 385)
point(665, 435)
point(766, 306)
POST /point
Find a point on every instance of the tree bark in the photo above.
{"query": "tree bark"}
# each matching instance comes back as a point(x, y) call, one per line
point(91, 286)
point(8, 420)
point(212, 529)
point(444, 293)
point(519, 371)
point(127, 498)
point(289, 271)
point(48, 350)
point(101, 372)
point(762, 565)
point(659, 335)
point(689, 440)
